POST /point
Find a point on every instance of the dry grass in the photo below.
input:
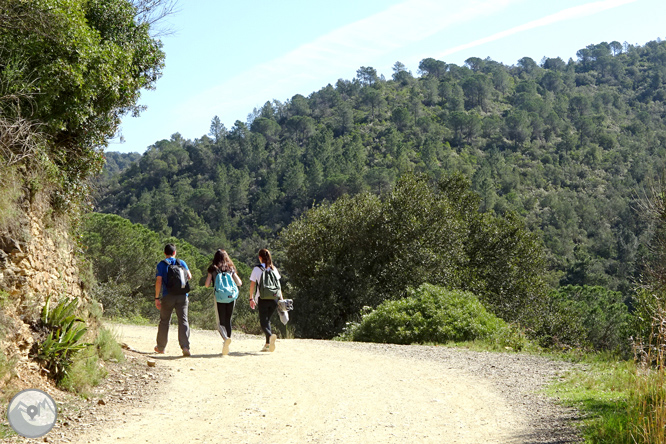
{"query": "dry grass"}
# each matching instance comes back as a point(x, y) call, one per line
point(647, 406)
point(10, 196)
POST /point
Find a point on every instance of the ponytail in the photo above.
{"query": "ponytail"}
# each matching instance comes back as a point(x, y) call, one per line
point(265, 257)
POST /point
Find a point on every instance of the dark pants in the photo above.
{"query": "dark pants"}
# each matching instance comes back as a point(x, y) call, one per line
point(224, 312)
point(169, 303)
point(266, 309)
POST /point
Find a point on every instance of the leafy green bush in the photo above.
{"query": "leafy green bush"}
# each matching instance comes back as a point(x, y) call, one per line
point(86, 370)
point(119, 301)
point(76, 83)
point(430, 314)
point(589, 317)
point(508, 337)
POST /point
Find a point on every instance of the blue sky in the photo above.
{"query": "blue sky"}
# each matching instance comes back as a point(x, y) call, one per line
point(226, 58)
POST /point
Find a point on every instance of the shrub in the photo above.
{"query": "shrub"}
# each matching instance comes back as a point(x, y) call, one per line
point(86, 370)
point(201, 308)
point(107, 346)
point(589, 317)
point(429, 314)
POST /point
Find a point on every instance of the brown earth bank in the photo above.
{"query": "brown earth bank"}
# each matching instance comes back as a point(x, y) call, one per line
point(310, 391)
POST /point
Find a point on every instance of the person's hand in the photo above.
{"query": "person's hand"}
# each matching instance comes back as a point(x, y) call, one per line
point(158, 304)
point(252, 304)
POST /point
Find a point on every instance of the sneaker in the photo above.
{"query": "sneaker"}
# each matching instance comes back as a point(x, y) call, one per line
point(265, 348)
point(159, 350)
point(271, 344)
point(186, 352)
point(225, 347)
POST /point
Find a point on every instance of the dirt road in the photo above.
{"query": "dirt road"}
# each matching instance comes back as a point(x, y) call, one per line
point(309, 391)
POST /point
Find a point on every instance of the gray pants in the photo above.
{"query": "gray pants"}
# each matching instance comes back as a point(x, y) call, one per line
point(168, 305)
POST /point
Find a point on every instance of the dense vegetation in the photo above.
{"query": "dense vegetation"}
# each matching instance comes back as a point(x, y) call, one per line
point(363, 250)
point(568, 145)
point(551, 154)
point(69, 69)
point(564, 147)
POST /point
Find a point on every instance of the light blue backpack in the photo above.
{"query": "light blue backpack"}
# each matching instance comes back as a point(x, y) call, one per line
point(226, 290)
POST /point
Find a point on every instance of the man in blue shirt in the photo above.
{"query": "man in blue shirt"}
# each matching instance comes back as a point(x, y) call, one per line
point(168, 302)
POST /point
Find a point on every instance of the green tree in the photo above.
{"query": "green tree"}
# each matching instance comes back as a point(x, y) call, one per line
point(401, 74)
point(367, 75)
point(217, 129)
point(430, 66)
point(83, 65)
point(364, 250)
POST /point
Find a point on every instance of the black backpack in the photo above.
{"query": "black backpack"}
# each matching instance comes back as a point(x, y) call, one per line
point(176, 279)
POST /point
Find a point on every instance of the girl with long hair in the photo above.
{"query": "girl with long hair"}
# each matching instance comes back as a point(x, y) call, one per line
point(222, 263)
point(267, 276)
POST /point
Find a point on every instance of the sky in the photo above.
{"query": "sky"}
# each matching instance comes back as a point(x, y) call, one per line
point(226, 58)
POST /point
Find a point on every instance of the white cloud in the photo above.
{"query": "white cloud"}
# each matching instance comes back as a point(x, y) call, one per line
point(566, 14)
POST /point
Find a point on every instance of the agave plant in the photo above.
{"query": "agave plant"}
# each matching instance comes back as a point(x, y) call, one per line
point(63, 341)
point(62, 314)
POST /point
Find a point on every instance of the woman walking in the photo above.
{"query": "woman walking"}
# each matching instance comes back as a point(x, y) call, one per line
point(265, 291)
point(222, 275)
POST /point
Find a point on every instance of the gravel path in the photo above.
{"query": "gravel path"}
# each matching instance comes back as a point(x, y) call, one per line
point(520, 378)
point(318, 392)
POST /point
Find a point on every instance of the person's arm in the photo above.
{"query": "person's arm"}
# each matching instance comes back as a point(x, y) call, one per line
point(158, 291)
point(209, 280)
point(189, 275)
point(237, 279)
point(252, 285)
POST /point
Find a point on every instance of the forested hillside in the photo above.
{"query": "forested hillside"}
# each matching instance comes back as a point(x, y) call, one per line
point(116, 163)
point(568, 145)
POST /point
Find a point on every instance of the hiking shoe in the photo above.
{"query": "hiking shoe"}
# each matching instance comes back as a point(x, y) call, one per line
point(265, 348)
point(158, 350)
point(225, 347)
point(271, 344)
point(186, 352)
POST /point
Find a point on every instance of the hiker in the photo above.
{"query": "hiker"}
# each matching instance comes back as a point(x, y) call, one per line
point(222, 275)
point(171, 281)
point(265, 291)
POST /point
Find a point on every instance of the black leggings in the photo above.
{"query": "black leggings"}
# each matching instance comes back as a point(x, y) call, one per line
point(266, 309)
point(224, 312)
